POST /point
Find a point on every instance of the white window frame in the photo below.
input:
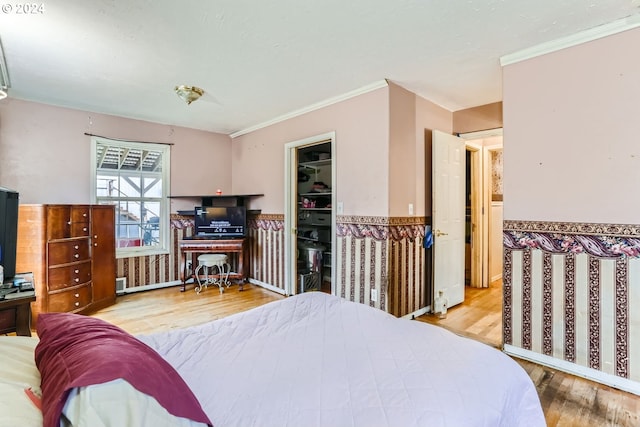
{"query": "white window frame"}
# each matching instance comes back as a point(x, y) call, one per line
point(164, 230)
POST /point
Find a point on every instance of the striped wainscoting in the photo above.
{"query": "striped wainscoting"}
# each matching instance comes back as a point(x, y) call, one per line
point(154, 269)
point(266, 250)
point(385, 254)
point(379, 253)
point(571, 293)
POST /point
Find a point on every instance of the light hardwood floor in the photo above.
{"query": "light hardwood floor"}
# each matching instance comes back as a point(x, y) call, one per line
point(566, 400)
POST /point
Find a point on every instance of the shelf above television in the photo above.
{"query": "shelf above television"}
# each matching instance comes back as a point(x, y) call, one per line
point(220, 200)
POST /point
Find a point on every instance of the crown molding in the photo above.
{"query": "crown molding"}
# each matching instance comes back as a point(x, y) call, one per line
point(618, 26)
point(327, 102)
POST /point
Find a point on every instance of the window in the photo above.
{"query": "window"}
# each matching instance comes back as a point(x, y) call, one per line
point(134, 176)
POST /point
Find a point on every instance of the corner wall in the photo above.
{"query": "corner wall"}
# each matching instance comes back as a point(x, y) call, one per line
point(380, 158)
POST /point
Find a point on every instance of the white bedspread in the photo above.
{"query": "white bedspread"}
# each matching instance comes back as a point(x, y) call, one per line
point(318, 360)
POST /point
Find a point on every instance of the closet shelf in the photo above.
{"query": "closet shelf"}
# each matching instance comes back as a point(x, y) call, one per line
point(316, 209)
point(314, 164)
point(316, 193)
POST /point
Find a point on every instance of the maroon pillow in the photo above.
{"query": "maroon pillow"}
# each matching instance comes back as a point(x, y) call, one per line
point(77, 351)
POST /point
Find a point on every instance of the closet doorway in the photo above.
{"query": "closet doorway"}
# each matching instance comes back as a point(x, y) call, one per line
point(310, 194)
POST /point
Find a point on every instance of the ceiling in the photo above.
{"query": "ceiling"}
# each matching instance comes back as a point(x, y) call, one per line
point(259, 60)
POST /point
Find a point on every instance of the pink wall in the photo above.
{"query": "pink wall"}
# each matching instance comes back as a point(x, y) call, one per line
point(433, 117)
point(479, 118)
point(44, 152)
point(362, 128)
point(409, 168)
point(402, 151)
point(571, 134)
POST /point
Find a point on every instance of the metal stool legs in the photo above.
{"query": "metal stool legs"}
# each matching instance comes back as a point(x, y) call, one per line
point(219, 276)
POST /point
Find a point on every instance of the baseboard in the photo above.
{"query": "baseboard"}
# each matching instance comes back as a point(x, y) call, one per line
point(577, 370)
point(267, 286)
point(142, 288)
point(423, 310)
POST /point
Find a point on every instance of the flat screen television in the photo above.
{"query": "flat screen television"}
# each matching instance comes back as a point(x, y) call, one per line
point(220, 222)
point(8, 231)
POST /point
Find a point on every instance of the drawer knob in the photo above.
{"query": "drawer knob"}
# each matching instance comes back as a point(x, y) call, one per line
point(77, 296)
point(76, 247)
point(68, 222)
point(76, 271)
point(77, 256)
point(84, 214)
point(77, 304)
point(76, 280)
point(95, 236)
point(84, 228)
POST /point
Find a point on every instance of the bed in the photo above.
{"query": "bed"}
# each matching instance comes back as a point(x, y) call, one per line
point(304, 361)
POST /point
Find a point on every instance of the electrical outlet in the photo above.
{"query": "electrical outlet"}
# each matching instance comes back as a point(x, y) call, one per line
point(410, 208)
point(340, 208)
point(374, 295)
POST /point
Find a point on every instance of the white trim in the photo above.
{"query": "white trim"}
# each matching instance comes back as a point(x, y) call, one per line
point(585, 36)
point(481, 134)
point(267, 286)
point(163, 200)
point(412, 316)
point(572, 368)
point(327, 102)
point(291, 207)
point(135, 289)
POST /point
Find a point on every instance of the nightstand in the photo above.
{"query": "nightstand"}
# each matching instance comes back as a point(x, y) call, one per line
point(15, 311)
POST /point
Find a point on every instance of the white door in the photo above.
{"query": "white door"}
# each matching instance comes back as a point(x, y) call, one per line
point(448, 216)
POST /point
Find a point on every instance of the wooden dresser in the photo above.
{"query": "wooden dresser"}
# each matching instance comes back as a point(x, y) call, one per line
point(71, 251)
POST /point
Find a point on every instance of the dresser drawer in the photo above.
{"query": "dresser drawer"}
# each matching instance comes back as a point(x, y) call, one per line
point(80, 229)
point(71, 275)
point(80, 221)
point(65, 221)
point(80, 213)
point(67, 251)
point(71, 300)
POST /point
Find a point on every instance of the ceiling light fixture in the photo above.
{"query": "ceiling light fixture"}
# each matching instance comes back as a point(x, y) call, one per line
point(189, 93)
point(4, 75)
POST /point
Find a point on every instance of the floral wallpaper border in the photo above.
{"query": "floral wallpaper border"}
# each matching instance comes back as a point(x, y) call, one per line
point(599, 240)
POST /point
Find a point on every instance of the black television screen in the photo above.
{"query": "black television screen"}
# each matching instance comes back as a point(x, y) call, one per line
point(8, 231)
point(229, 221)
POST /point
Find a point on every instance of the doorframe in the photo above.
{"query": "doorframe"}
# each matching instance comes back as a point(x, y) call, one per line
point(489, 203)
point(291, 207)
point(474, 139)
point(477, 214)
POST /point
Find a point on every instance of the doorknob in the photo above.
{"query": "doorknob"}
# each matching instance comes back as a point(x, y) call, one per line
point(440, 233)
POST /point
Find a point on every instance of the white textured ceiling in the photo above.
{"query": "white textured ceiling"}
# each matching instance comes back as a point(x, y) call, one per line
point(261, 59)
